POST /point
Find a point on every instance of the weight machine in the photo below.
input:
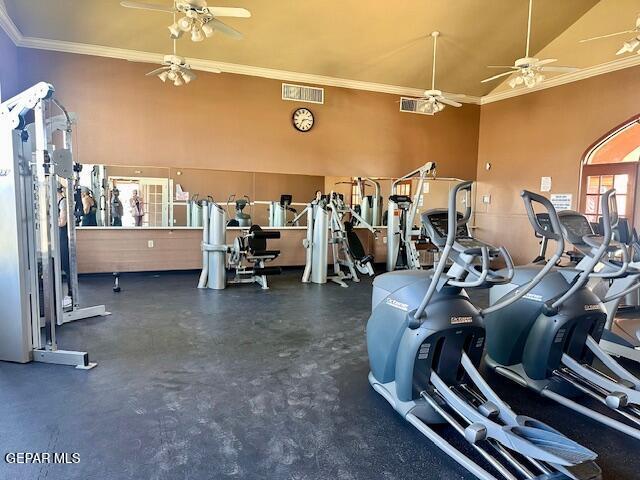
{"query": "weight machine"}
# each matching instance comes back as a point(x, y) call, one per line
point(246, 258)
point(30, 260)
point(402, 252)
point(326, 225)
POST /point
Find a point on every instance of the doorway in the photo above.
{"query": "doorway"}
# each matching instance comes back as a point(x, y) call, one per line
point(155, 195)
point(612, 162)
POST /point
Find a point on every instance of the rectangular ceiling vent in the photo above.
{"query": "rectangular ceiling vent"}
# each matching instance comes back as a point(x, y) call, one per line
point(413, 105)
point(301, 93)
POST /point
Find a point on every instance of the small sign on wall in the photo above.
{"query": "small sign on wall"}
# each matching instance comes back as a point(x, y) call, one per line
point(545, 184)
point(561, 201)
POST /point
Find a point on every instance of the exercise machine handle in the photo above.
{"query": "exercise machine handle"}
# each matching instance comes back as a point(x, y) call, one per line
point(624, 267)
point(452, 214)
point(480, 278)
point(265, 234)
point(607, 206)
point(452, 226)
point(529, 198)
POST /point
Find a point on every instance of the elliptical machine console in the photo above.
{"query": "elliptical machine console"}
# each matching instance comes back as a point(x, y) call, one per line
point(425, 340)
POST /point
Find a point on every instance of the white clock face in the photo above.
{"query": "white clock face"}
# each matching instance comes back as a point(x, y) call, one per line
point(303, 119)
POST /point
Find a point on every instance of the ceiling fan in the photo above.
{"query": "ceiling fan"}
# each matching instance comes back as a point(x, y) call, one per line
point(199, 19)
point(175, 69)
point(434, 101)
point(528, 69)
point(628, 46)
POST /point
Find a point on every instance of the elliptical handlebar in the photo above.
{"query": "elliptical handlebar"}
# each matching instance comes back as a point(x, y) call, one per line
point(452, 213)
point(556, 234)
point(481, 277)
point(452, 225)
point(609, 222)
point(529, 198)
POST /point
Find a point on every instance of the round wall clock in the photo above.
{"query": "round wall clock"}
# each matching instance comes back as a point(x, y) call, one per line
point(302, 119)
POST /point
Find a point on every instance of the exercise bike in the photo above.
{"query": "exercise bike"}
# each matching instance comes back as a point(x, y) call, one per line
point(548, 339)
point(425, 340)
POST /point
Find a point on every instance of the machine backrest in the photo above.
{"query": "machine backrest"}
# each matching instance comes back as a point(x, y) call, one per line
point(355, 245)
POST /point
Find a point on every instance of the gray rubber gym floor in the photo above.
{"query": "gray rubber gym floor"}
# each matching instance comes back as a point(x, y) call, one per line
point(241, 383)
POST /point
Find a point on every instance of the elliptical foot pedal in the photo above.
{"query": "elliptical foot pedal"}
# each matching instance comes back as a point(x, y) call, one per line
point(475, 433)
point(616, 400)
point(489, 410)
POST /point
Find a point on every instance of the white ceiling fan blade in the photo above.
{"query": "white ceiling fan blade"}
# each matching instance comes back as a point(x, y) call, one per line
point(606, 36)
point(229, 12)
point(147, 6)
point(503, 66)
point(496, 76)
point(545, 61)
point(157, 71)
point(559, 69)
point(454, 95)
point(447, 101)
point(224, 28)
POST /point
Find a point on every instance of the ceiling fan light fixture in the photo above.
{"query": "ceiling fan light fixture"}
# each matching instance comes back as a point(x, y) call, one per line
point(197, 35)
point(208, 29)
point(178, 81)
point(163, 76)
point(175, 31)
point(629, 46)
point(185, 24)
point(188, 75)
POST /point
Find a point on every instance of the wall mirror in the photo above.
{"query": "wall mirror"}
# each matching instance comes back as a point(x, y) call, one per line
point(171, 197)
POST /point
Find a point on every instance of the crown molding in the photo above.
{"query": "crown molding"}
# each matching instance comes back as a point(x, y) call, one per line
point(7, 24)
point(213, 66)
point(607, 67)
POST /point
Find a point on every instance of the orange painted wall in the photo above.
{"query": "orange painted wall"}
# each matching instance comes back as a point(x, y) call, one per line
point(235, 122)
point(544, 133)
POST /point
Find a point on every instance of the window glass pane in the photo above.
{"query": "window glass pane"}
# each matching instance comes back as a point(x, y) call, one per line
point(606, 183)
point(592, 204)
point(592, 218)
point(593, 184)
point(621, 201)
point(620, 183)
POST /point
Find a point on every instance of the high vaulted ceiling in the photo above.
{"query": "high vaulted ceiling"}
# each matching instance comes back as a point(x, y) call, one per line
point(376, 41)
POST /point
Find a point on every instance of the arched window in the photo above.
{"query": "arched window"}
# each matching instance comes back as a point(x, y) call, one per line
point(612, 162)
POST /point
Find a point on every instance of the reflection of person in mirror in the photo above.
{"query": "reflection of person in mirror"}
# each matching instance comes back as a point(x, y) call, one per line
point(136, 204)
point(63, 238)
point(117, 210)
point(89, 208)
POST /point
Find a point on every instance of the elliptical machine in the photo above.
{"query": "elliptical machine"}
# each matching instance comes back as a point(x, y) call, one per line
point(621, 336)
point(548, 340)
point(402, 252)
point(425, 339)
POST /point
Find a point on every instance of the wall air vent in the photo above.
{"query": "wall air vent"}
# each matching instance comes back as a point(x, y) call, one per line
point(413, 105)
point(301, 93)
